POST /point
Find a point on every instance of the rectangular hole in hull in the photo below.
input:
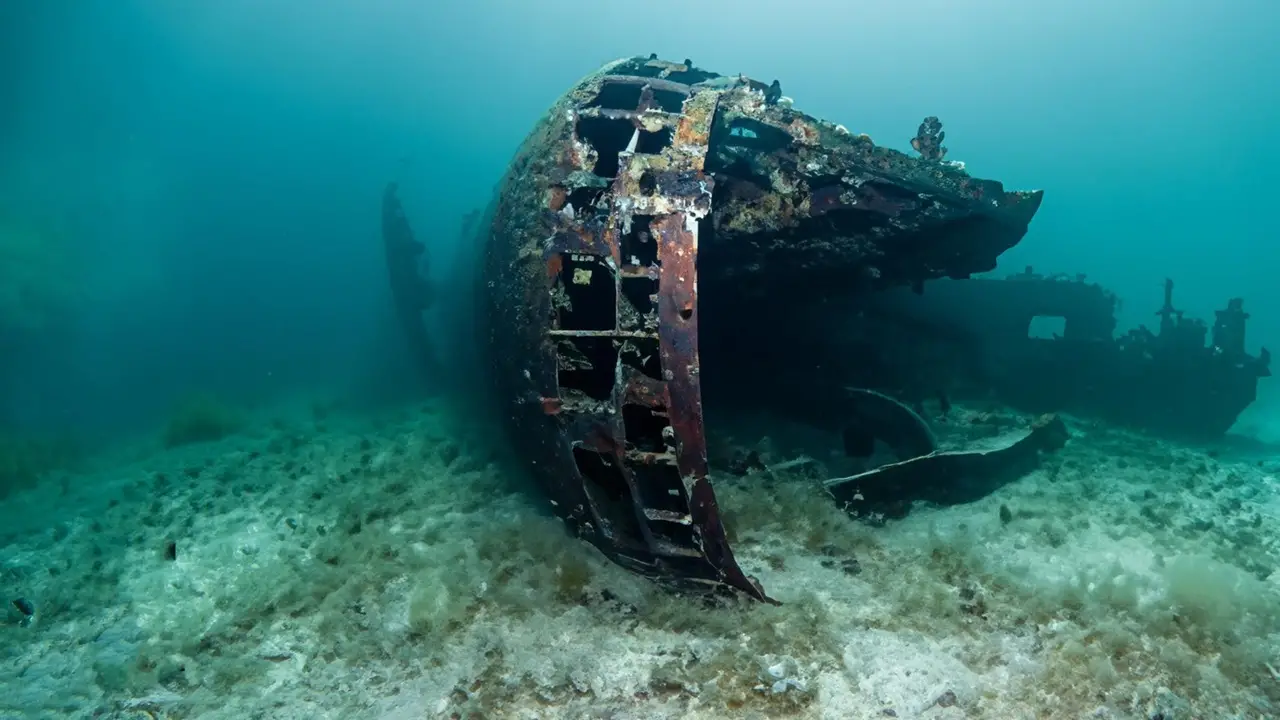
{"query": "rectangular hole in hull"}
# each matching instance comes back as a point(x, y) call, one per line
point(639, 246)
point(652, 143)
point(1046, 327)
point(608, 490)
point(671, 101)
point(660, 487)
point(588, 365)
point(639, 292)
point(644, 428)
point(618, 96)
point(585, 296)
point(644, 355)
point(608, 137)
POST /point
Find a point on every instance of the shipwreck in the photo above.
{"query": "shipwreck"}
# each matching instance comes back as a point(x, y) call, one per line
point(651, 202)
point(668, 236)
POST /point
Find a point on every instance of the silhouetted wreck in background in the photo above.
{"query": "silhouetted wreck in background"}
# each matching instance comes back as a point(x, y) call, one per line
point(412, 292)
point(1046, 344)
point(667, 235)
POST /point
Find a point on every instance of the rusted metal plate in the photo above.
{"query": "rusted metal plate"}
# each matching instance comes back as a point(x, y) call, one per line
point(950, 477)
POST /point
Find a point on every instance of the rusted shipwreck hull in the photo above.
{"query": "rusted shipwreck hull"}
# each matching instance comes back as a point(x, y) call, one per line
point(648, 187)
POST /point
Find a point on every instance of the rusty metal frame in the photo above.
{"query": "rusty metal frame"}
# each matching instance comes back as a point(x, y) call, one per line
point(677, 536)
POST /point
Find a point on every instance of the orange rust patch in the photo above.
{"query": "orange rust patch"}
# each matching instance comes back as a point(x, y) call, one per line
point(803, 131)
point(556, 197)
point(590, 241)
point(610, 239)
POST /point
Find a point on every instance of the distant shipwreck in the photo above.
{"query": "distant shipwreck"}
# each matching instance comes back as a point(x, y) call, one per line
point(667, 234)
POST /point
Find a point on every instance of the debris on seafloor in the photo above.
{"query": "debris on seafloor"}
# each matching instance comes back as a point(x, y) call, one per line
point(949, 477)
point(644, 215)
point(24, 606)
point(26, 610)
point(872, 416)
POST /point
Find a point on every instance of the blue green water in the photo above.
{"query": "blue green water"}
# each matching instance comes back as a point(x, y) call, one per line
point(189, 218)
point(216, 166)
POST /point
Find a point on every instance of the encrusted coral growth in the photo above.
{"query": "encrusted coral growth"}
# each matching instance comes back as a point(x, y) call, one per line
point(928, 139)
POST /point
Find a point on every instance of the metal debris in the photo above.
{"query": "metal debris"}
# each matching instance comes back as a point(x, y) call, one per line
point(949, 477)
point(875, 416)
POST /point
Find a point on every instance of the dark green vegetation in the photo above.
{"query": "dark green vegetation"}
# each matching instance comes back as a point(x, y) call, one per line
point(24, 460)
point(201, 418)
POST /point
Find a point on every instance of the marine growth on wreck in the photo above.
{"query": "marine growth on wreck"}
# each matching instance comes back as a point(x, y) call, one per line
point(654, 200)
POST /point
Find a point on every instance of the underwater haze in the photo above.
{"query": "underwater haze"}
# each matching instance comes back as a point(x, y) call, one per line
point(217, 165)
point(226, 490)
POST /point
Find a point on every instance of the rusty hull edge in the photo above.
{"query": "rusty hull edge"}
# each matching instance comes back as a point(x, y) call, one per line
point(941, 220)
point(515, 308)
point(679, 347)
point(521, 367)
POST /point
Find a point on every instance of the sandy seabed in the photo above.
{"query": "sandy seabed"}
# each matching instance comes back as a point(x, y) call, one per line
point(385, 568)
